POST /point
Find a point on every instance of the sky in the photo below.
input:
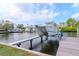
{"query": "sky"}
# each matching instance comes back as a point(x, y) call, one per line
point(38, 13)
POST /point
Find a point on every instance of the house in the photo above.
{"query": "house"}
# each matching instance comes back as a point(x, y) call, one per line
point(30, 28)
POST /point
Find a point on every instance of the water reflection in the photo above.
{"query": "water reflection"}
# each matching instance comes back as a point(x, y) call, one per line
point(50, 47)
point(13, 37)
point(70, 34)
point(4, 35)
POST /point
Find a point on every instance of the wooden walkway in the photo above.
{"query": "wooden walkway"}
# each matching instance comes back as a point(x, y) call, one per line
point(68, 46)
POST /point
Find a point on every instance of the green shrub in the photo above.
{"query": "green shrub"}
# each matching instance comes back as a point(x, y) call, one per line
point(68, 29)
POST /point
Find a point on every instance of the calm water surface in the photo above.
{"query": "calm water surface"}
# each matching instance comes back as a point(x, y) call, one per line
point(13, 37)
point(50, 46)
point(69, 34)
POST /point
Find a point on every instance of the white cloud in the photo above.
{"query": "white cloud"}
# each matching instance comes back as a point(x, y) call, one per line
point(75, 5)
point(47, 15)
point(14, 11)
point(75, 15)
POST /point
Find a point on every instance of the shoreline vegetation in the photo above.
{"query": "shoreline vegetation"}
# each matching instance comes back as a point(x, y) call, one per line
point(68, 29)
point(70, 25)
point(7, 26)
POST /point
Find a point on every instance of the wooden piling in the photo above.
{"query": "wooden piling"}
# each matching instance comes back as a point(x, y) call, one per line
point(41, 39)
point(31, 45)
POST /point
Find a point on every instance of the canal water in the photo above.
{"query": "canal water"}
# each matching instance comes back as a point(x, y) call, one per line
point(70, 34)
point(49, 46)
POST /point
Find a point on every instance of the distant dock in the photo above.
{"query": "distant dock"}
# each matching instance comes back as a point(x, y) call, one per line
point(68, 46)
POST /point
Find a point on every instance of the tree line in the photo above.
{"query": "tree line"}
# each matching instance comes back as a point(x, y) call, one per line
point(70, 25)
point(8, 26)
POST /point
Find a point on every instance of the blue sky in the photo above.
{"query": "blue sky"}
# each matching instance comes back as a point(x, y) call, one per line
point(38, 13)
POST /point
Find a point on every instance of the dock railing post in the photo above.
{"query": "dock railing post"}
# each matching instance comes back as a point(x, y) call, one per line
point(31, 45)
point(41, 39)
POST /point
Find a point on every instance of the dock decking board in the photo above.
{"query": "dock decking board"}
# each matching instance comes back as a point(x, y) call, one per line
point(68, 46)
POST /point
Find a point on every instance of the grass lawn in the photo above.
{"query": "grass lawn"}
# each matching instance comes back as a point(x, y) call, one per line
point(11, 51)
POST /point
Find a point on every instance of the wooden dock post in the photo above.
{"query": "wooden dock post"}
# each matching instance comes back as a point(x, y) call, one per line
point(41, 39)
point(31, 45)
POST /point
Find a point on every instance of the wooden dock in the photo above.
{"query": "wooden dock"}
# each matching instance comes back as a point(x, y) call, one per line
point(68, 46)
